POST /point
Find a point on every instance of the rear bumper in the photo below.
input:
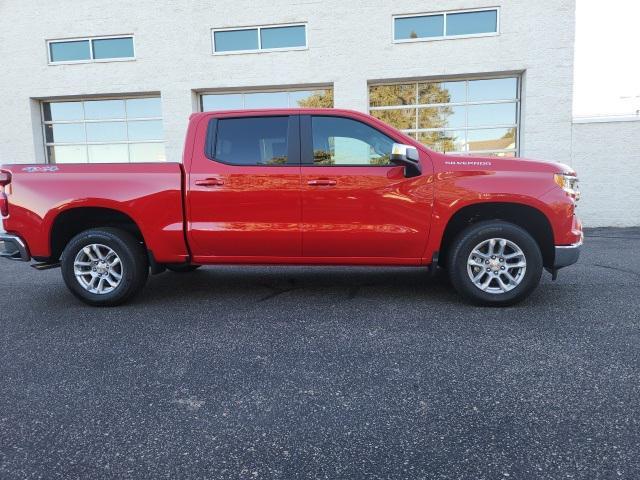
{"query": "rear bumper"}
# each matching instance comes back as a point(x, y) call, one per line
point(13, 247)
point(567, 255)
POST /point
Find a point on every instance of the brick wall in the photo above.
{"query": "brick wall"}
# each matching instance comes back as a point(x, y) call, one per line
point(350, 44)
point(607, 158)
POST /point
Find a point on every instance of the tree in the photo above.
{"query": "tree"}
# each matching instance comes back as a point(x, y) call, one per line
point(319, 99)
point(408, 117)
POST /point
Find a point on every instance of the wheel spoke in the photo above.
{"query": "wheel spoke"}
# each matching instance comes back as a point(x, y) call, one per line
point(492, 246)
point(96, 250)
point(516, 265)
point(502, 285)
point(481, 255)
point(477, 278)
point(511, 278)
point(513, 255)
point(87, 251)
point(484, 285)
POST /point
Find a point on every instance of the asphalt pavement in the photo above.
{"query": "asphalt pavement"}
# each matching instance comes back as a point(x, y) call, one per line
point(315, 372)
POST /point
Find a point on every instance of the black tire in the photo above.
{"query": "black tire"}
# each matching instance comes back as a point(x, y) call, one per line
point(135, 266)
point(468, 239)
point(182, 268)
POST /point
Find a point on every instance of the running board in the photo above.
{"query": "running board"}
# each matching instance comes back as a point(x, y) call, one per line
point(45, 265)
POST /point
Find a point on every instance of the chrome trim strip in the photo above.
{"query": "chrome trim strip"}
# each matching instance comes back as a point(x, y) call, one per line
point(574, 245)
point(566, 255)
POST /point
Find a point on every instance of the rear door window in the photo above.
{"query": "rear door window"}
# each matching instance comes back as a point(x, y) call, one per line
point(253, 141)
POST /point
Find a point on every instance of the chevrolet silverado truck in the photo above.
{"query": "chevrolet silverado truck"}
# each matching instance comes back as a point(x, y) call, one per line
point(294, 186)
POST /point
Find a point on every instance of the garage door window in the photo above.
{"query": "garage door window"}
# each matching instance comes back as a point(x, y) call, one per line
point(308, 98)
point(475, 116)
point(114, 130)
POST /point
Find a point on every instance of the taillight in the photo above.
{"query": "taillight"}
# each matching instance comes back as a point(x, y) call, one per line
point(5, 178)
point(4, 204)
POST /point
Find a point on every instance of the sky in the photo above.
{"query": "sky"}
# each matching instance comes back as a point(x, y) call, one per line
point(607, 58)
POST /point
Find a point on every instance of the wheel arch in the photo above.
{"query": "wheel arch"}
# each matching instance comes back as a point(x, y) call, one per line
point(531, 219)
point(72, 221)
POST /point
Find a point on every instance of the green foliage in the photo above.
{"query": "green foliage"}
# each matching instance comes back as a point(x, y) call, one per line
point(319, 99)
point(408, 117)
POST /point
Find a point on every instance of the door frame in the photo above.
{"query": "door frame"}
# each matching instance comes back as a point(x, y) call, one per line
point(307, 160)
point(201, 156)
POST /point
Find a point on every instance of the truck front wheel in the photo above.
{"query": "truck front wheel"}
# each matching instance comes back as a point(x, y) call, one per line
point(495, 263)
point(104, 267)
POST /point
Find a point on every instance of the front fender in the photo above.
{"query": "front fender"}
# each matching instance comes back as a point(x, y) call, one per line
point(459, 189)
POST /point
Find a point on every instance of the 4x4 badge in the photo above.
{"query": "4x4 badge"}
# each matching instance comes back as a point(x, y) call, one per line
point(40, 169)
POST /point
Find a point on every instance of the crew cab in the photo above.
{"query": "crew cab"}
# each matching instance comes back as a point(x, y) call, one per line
point(294, 186)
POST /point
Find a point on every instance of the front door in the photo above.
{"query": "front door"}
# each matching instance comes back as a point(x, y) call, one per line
point(244, 191)
point(357, 207)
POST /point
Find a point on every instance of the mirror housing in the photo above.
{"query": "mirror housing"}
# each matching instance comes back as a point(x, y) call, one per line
point(408, 156)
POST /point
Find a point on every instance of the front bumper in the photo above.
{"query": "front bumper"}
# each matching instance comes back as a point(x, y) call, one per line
point(567, 255)
point(13, 247)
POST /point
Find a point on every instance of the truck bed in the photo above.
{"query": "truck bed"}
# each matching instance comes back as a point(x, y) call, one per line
point(152, 193)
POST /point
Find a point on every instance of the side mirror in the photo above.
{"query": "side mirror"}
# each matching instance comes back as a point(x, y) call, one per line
point(408, 156)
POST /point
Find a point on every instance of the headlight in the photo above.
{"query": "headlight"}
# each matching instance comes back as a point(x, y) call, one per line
point(569, 183)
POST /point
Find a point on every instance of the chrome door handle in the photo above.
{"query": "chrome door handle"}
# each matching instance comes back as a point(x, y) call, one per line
point(321, 182)
point(210, 182)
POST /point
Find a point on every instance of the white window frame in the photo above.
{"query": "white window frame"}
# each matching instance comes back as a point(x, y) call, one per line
point(259, 29)
point(250, 91)
point(90, 40)
point(445, 13)
point(126, 120)
point(518, 101)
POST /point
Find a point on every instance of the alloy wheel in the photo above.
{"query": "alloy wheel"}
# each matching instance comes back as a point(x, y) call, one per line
point(496, 265)
point(98, 269)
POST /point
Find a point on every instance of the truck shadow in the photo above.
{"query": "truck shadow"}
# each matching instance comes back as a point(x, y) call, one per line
point(266, 284)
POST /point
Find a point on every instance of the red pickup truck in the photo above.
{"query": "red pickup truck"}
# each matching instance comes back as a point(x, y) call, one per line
point(294, 186)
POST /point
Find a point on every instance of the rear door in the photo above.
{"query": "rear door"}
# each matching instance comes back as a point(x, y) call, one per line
point(357, 206)
point(244, 190)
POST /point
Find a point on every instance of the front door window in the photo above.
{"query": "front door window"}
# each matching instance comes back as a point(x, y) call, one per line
point(346, 142)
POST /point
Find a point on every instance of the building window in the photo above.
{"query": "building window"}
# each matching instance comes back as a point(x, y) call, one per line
point(114, 130)
point(468, 23)
point(309, 98)
point(259, 39)
point(465, 117)
point(83, 50)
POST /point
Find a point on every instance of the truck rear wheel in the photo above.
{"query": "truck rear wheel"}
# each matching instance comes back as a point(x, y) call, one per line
point(104, 267)
point(495, 263)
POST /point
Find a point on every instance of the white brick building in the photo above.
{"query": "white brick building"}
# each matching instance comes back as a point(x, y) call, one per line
point(347, 49)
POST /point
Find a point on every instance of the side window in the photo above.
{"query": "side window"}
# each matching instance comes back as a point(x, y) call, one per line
point(342, 141)
point(252, 141)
